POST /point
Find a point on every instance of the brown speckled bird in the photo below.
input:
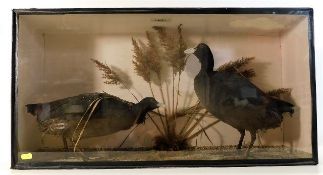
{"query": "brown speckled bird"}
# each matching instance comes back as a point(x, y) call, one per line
point(98, 114)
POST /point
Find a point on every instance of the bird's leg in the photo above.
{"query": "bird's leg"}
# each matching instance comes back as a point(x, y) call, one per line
point(253, 135)
point(65, 143)
point(242, 134)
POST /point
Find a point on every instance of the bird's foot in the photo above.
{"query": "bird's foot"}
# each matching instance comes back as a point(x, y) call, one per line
point(79, 153)
point(240, 151)
point(247, 154)
point(239, 147)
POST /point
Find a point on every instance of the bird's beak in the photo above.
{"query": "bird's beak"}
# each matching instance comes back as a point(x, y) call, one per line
point(190, 51)
point(160, 104)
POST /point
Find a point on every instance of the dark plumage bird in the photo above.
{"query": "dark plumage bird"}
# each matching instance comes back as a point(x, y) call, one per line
point(97, 114)
point(233, 99)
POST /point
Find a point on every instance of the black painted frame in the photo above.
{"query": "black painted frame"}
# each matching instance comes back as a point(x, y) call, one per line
point(147, 164)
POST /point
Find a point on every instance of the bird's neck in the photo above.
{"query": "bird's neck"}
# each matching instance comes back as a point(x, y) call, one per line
point(207, 65)
point(140, 112)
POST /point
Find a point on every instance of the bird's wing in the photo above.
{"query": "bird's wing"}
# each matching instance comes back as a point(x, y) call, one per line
point(74, 105)
point(238, 89)
point(112, 107)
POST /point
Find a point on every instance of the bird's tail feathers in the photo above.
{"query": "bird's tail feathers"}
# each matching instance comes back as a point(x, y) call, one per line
point(284, 106)
point(34, 109)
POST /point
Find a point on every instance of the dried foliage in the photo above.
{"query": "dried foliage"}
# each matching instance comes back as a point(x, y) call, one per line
point(163, 48)
point(115, 76)
point(248, 73)
point(236, 66)
point(174, 46)
point(278, 92)
point(110, 76)
point(165, 45)
point(126, 82)
point(162, 45)
point(190, 111)
point(141, 62)
point(171, 143)
point(153, 53)
point(233, 65)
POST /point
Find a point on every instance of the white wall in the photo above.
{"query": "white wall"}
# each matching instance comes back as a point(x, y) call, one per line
point(30, 74)
point(296, 74)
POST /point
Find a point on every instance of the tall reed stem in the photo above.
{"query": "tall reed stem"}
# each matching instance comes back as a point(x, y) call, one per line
point(161, 119)
point(189, 122)
point(202, 130)
point(156, 125)
point(132, 94)
point(173, 107)
point(168, 98)
point(179, 80)
point(194, 126)
point(165, 109)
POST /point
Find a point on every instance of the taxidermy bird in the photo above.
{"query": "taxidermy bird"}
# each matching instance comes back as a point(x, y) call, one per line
point(229, 95)
point(89, 115)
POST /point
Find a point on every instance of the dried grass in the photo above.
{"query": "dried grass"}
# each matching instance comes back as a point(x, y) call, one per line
point(108, 75)
point(163, 45)
point(278, 92)
point(174, 46)
point(141, 62)
point(234, 65)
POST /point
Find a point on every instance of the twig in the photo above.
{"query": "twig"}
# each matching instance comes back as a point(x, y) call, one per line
point(173, 103)
point(137, 92)
point(207, 136)
point(78, 124)
point(124, 140)
point(165, 110)
point(163, 96)
point(205, 128)
point(132, 94)
point(163, 99)
point(156, 125)
point(179, 79)
point(168, 98)
point(157, 113)
point(87, 120)
point(194, 126)
point(186, 96)
point(189, 99)
point(161, 120)
point(189, 121)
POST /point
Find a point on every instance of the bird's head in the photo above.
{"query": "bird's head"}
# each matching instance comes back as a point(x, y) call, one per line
point(150, 103)
point(145, 105)
point(203, 53)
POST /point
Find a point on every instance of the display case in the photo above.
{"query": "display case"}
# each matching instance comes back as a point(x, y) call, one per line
point(125, 88)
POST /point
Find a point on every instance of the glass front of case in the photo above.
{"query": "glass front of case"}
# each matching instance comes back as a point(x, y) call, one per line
point(163, 87)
